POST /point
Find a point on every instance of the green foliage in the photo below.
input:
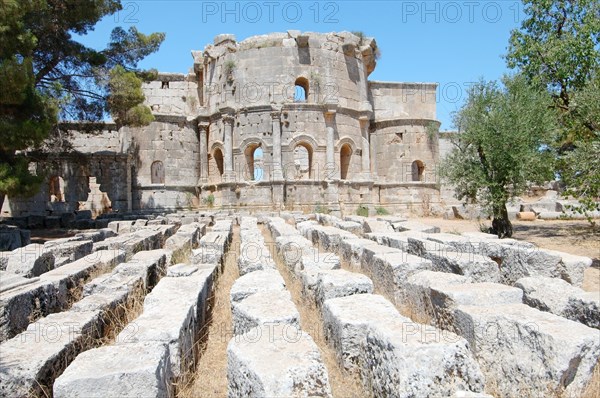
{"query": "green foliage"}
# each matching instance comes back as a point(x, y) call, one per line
point(48, 75)
point(501, 147)
point(558, 48)
point(229, 67)
point(557, 45)
point(126, 97)
point(319, 208)
point(381, 211)
point(362, 210)
point(580, 171)
point(209, 200)
point(15, 177)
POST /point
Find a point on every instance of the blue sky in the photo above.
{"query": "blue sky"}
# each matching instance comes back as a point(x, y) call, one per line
point(452, 43)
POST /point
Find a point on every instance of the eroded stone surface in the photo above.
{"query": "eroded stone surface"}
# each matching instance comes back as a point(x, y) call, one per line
point(561, 298)
point(294, 367)
point(521, 349)
point(264, 309)
point(258, 281)
point(131, 370)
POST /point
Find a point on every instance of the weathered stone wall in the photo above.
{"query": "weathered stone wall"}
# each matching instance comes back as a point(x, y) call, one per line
point(100, 183)
point(284, 119)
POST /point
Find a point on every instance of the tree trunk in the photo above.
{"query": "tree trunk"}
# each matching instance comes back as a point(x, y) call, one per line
point(1, 201)
point(501, 225)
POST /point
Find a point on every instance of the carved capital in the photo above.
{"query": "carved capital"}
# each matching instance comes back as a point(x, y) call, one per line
point(203, 126)
point(228, 119)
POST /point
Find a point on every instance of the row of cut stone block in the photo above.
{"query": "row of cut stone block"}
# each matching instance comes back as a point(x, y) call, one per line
point(369, 335)
point(54, 290)
point(521, 350)
point(185, 239)
point(154, 351)
point(534, 332)
point(269, 355)
point(158, 348)
point(35, 259)
point(31, 361)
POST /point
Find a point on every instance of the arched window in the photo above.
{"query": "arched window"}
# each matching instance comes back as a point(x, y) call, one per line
point(345, 156)
point(303, 161)
point(417, 169)
point(301, 90)
point(254, 162)
point(157, 173)
point(218, 156)
point(56, 190)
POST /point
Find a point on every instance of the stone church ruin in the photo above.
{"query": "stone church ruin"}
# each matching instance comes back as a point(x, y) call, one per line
point(302, 101)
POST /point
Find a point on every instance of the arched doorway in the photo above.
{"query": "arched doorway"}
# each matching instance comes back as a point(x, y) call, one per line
point(417, 169)
point(218, 157)
point(303, 161)
point(157, 172)
point(345, 157)
point(254, 162)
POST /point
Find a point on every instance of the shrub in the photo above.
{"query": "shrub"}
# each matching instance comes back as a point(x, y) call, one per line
point(362, 211)
point(209, 200)
point(382, 211)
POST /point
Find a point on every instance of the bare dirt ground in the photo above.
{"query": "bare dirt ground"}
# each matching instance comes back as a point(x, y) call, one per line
point(570, 236)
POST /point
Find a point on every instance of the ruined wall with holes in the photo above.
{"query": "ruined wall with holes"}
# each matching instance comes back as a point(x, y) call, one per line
point(283, 120)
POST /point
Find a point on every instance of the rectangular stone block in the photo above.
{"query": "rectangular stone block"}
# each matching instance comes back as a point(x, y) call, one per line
point(522, 350)
point(132, 370)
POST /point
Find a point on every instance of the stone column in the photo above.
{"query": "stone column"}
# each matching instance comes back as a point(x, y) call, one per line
point(330, 168)
point(228, 174)
point(365, 147)
point(203, 149)
point(277, 169)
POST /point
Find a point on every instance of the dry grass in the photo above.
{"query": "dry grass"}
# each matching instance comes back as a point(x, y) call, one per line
point(592, 390)
point(343, 383)
point(210, 377)
point(116, 319)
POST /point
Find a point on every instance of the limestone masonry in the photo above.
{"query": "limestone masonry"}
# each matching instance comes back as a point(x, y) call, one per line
point(284, 120)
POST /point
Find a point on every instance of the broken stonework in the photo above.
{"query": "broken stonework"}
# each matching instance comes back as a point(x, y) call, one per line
point(129, 370)
point(72, 249)
point(32, 360)
point(436, 295)
point(174, 312)
point(211, 248)
point(31, 260)
point(346, 321)
point(258, 281)
point(405, 359)
point(351, 250)
point(264, 308)
point(448, 259)
point(292, 248)
point(294, 366)
point(522, 350)
point(254, 256)
point(390, 271)
point(53, 291)
point(561, 298)
point(340, 283)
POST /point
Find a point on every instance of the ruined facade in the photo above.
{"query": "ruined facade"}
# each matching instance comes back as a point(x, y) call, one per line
point(284, 120)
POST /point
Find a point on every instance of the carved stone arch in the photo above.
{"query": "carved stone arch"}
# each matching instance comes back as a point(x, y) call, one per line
point(254, 169)
point(215, 145)
point(215, 160)
point(297, 139)
point(301, 148)
point(246, 142)
point(345, 140)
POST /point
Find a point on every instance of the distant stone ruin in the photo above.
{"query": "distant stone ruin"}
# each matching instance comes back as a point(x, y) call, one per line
point(284, 120)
